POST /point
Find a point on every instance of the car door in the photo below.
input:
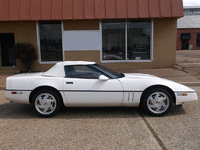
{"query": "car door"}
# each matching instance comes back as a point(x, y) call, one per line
point(82, 87)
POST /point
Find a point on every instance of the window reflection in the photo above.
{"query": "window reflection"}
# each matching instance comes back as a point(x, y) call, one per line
point(50, 41)
point(121, 41)
point(138, 40)
point(113, 40)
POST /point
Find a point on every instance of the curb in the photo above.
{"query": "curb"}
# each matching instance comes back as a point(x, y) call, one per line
point(177, 67)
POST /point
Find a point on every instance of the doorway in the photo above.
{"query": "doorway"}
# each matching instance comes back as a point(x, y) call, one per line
point(7, 52)
point(185, 37)
point(185, 44)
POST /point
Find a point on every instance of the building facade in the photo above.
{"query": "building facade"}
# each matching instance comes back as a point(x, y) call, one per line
point(188, 29)
point(119, 34)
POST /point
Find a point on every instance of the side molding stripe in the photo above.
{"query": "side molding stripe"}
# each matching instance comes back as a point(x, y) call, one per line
point(94, 91)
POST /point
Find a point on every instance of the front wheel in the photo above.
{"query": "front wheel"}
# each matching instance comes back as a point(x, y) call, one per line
point(157, 102)
point(46, 103)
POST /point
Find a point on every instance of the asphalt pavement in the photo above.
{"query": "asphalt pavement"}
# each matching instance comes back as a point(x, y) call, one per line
point(106, 128)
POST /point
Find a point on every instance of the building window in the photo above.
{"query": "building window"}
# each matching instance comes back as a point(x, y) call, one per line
point(198, 39)
point(185, 37)
point(50, 35)
point(126, 40)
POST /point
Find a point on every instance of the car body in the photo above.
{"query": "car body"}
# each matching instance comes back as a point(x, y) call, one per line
point(87, 84)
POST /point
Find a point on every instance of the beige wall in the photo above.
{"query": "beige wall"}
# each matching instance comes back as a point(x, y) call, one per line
point(24, 31)
point(164, 43)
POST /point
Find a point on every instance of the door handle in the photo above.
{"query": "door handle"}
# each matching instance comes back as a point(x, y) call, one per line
point(69, 82)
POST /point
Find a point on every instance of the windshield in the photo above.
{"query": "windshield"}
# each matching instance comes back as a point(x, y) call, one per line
point(109, 72)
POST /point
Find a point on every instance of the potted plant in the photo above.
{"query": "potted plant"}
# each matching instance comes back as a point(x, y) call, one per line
point(26, 53)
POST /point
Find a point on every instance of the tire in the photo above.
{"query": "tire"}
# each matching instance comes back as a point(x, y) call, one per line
point(157, 102)
point(46, 103)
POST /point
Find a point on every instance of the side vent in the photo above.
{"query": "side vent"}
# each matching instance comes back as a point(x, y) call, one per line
point(129, 97)
point(132, 97)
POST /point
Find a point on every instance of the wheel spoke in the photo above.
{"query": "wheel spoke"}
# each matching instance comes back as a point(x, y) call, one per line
point(163, 104)
point(159, 107)
point(50, 105)
point(40, 106)
point(40, 100)
point(50, 100)
point(157, 97)
point(46, 108)
point(152, 100)
point(162, 99)
point(45, 98)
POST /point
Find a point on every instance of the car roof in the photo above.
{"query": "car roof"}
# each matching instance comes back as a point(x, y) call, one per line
point(58, 69)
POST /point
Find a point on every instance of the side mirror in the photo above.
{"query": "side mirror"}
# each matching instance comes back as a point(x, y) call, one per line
point(103, 78)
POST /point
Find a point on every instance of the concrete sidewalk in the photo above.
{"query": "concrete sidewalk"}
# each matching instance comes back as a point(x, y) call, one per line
point(186, 71)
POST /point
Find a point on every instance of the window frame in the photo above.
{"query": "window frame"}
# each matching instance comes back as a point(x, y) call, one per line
point(114, 61)
point(38, 44)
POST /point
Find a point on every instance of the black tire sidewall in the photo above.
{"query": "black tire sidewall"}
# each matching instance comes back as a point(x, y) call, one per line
point(58, 103)
point(144, 101)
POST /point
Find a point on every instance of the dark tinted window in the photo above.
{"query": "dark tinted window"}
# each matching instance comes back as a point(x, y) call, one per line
point(80, 71)
point(108, 72)
point(50, 41)
point(138, 40)
point(126, 40)
point(113, 40)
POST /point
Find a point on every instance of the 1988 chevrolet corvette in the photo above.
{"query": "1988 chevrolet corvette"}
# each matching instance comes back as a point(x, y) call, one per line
point(82, 83)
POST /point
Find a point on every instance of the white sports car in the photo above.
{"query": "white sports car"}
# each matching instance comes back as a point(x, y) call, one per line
point(82, 83)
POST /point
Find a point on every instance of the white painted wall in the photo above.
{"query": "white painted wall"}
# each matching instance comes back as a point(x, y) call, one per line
point(82, 40)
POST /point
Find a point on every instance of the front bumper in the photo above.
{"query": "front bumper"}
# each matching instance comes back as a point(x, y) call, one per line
point(185, 96)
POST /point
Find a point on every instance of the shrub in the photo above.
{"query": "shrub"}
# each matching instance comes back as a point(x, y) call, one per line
point(26, 53)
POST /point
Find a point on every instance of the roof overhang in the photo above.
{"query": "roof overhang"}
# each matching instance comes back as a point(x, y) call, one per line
point(16, 10)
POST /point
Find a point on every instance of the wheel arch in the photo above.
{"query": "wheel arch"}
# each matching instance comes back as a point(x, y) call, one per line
point(45, 87)
point(159, 86)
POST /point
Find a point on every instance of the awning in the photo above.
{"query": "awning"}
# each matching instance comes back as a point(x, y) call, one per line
point(15, 10)
point(185, 36)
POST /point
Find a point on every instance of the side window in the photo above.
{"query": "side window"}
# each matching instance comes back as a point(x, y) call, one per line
point(80, 71)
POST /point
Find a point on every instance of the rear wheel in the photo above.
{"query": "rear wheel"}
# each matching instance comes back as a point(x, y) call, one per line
point(157, 102)
point(46, 103)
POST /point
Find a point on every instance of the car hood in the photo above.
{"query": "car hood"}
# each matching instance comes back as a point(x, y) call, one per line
point(139, 82)
point(139, 75)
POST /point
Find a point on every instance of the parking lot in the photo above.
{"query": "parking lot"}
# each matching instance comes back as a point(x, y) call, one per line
point(99, 128)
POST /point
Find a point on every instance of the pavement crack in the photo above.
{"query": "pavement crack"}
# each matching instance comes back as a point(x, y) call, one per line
point(153, 132)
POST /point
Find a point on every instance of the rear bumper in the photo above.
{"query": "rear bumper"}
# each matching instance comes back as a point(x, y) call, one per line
point(20, 96)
